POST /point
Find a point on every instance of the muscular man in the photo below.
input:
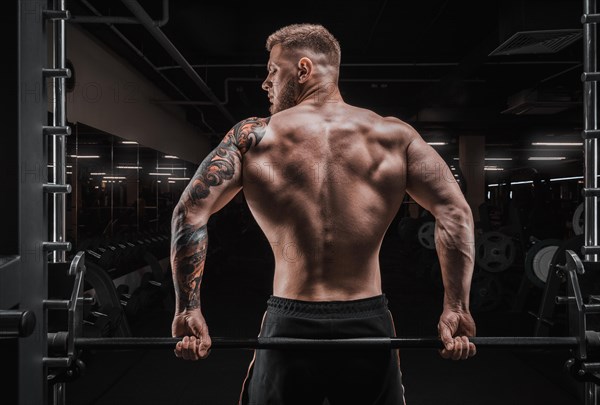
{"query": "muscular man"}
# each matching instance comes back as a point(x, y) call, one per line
point(323, 179)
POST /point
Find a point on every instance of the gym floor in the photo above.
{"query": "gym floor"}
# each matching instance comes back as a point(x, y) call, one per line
point(235, 291)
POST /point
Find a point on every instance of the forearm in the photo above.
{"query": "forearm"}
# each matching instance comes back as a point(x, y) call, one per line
point(454, 240)
point(189, 244)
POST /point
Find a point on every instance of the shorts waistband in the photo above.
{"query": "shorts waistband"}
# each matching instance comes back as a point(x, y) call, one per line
point(361, 308)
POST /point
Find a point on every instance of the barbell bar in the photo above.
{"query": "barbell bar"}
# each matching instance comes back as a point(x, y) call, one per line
point(139, 343)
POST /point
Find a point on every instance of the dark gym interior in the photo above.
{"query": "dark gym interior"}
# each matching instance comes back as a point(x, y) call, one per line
point(494, 86)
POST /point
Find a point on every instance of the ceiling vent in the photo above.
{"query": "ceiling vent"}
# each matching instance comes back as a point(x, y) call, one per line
point(537, 42)
point(539, 102)
point(527, 27)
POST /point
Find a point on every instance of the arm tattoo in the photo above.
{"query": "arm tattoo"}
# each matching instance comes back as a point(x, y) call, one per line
point(189, 242)
point(188, 254)
point(249, 133)
point(220, 163)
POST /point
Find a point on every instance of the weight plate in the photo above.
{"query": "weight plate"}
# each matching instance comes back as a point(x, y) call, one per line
point(577, 221)
point(494, 252)
point(426, 235)
point(538, 259)
point(541, 262)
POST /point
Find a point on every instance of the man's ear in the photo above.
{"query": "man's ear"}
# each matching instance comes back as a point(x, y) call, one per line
point(305, 68)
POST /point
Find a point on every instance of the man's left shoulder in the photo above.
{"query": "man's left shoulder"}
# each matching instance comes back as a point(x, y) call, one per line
point(398, 128)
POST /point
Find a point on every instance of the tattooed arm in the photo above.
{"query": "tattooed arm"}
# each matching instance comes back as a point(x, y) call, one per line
point(216, 182)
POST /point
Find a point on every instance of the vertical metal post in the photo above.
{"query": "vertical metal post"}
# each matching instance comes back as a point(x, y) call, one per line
point(59, 397)
point(590, 106)
point(590, 116)
point(590, 393)
point(59, 142)
point(33, 230)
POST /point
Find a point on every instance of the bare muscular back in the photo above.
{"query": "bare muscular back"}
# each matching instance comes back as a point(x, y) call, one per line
point(324, 184)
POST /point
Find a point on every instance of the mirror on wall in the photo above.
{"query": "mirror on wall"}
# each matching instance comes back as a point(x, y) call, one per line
point(119, 187)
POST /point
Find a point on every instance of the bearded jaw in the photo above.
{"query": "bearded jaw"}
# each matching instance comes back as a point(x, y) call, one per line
point(287, 98)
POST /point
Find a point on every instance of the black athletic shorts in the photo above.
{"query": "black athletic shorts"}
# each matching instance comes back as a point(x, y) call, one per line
point(307, 377)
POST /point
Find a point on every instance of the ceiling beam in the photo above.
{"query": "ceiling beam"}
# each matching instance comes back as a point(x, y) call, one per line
point(139, 12)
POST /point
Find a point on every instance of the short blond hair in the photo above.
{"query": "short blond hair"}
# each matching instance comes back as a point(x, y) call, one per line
point(307, 36)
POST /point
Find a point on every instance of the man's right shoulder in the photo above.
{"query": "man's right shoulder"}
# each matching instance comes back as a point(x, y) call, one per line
point(249, 132)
